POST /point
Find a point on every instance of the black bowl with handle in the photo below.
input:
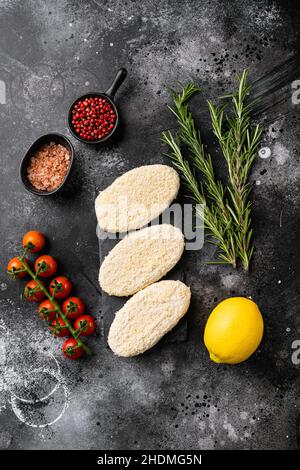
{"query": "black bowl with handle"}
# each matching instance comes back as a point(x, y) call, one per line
point(109, 95)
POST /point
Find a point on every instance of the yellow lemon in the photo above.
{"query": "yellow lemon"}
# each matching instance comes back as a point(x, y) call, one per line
point(233, 330)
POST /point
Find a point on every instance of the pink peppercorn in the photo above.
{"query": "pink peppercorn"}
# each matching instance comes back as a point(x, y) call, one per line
point(93, 118)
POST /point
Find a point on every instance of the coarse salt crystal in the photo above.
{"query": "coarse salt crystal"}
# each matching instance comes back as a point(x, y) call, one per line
point(48, 166)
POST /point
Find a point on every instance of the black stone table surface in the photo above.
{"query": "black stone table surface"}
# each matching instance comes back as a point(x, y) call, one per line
point(172, 397)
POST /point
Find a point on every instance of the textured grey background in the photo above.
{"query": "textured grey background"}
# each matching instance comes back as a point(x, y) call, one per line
point(173, 396)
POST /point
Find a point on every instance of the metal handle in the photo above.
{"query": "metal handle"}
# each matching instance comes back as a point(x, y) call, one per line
point(119, 79)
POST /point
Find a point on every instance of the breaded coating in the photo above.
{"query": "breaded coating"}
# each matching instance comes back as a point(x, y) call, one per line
point(136, 198)
point(140, 259)
point(147, 317)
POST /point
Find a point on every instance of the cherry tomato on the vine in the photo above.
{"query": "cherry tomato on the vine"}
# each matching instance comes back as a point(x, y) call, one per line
point(60, 287)
point(47, 310)
point(16, 269)
point(73, 307)
point(34, 241)
point(59, 328)
point(86, 323)
point(46, 265)
point(33, 292)
point(71, 349)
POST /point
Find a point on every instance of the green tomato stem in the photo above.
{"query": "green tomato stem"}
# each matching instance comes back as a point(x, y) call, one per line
point(24, 254)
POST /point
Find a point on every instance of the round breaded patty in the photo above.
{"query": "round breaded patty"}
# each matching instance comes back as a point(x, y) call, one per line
point(147, 317)
point(136, 198)
point(141, 258)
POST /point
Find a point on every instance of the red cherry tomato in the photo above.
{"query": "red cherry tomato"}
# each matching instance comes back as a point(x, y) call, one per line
point(47, 310)
point(60, 287)
point(86, 323)
point(34, 241)
point(46, 265)
point(32, 292)
point(73, 307)
point(58, 327)
point(71, 349)
point(16, 269)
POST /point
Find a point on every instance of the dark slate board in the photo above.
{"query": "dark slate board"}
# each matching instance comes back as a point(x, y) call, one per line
point(111, 304)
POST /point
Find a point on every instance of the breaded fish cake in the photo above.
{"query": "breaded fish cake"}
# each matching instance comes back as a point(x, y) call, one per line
point(141, 258)
point(136, 198)
point(147, 317)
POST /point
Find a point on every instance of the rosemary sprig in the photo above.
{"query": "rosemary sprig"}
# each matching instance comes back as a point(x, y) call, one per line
point(229, 222)
point(192, 138)
point(220, 218)
point(211, 220)
point(239, 144)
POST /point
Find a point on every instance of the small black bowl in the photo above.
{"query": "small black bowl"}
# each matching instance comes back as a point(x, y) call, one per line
point(44, 139)
point(109, 96)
